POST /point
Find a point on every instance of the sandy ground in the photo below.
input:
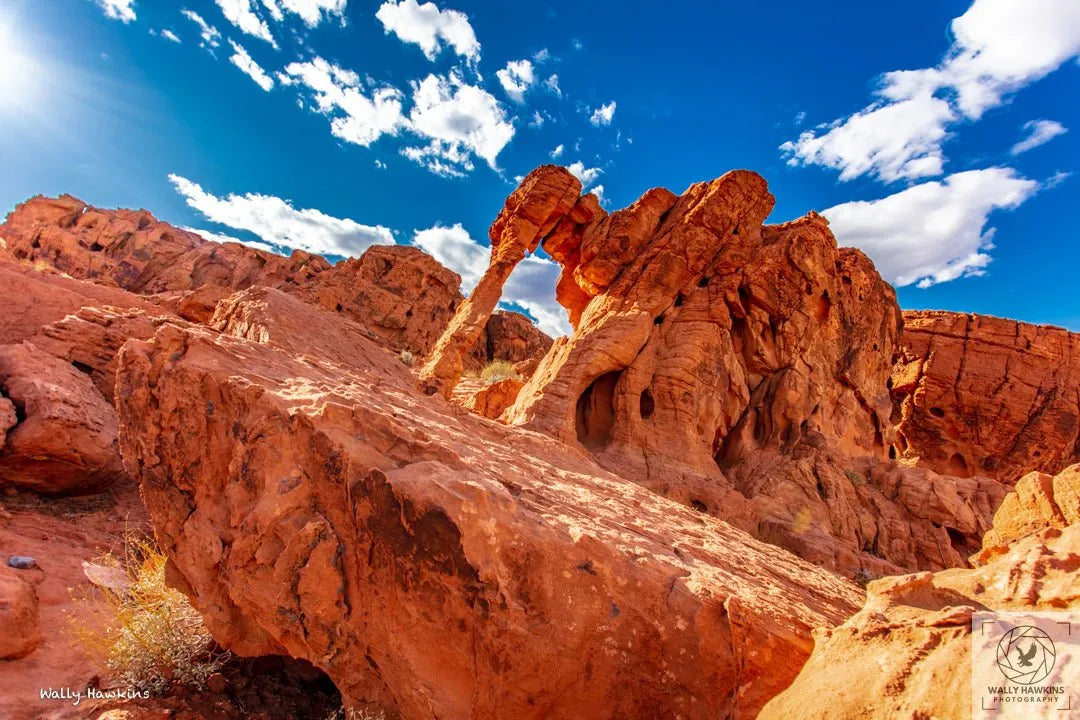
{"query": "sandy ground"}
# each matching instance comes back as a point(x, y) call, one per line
point(60, 533)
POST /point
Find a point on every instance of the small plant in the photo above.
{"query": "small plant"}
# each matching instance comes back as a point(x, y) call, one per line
point(406, 357)
point(499, 370)
point(149, 635)
point(855, 478)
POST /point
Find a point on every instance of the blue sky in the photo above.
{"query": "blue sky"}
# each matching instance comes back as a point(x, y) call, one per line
point(939, 136)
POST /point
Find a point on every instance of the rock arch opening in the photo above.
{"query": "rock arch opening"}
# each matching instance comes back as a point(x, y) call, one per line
point(595, 417)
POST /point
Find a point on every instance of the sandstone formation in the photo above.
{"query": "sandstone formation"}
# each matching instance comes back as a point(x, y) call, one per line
point(492, 399)
point(542, 199)
point(1039, 501)
point(65, 438)
point(400, 296)
point(907, 653)
point(336, 515)
point(91, 337)
point(987, 396)
point(20, 628)
point(509, 336)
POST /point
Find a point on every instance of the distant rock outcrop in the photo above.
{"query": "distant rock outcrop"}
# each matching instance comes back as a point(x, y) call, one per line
point(978, 395)
point(400, 296)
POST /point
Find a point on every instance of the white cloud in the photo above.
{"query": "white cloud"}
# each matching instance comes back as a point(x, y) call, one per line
point(933, 232)
point(1056, 179)
point(541, 56)
point(358, 115)
point(430, 28)
point(312, 12)
point(577, 44)
point(603, 114)
point(170, 35)
point(890, 140)
point(460, 120)
point(252, 69)
point(531, 285)
point(557, 152)
point(241, 14)
point(587, 176)
point(209, 35)
point(999, 47)
point(223, 238)
point(277, 222)
point(1039, 132)
point(122, 10)
point(552, 84)
point(537, 120)
point(598, 191)
point(516, 78)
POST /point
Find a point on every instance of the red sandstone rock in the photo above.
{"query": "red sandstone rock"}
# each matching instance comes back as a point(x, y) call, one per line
point(337, 515)
point(907, 653)
point(512, 337)
point(401, 296)
point(1038, 501)
point(32, 299)
point(543, 198)
point(91, 337)
point(982, 395)
point(271, 317)
point(20, 628)
point(199, 305)
point(65, 441)
point(493, 398)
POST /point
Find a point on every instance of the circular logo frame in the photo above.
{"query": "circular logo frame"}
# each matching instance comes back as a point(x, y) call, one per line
point(1026, 655)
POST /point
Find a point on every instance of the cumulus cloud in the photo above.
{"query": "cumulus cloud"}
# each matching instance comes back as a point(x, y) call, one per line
point(312, 12)
point(252, 69)
point(241, 14)
point(516, 78)
point(460, 121)
point(552, 84)
point(358, 114)
point(933, 232)
point(531, 285)
point(122, 10)
point(209, 37)
point(1039, 133)
point(223, 238)
point(170, 35)
point(277, 222)
point(603, 114)
point(587, 176)
point(558, 151)
point(999, 47)
point(598, 191)
point(430, 28)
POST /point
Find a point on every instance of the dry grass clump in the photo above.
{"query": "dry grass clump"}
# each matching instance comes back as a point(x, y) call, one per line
point(149, 635)
point(498, 370)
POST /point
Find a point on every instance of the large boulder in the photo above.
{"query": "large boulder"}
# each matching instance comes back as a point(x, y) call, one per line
point(20, 626)
point(980, 395)
point(1039, 501)
point(65, 438)
point(337, 515)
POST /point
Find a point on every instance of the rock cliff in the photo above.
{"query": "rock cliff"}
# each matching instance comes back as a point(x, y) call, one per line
point(978, 395)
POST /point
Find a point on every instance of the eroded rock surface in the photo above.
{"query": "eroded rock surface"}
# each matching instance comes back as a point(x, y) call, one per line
point(65, 437)
point(987, 396)
point(907, 653)
point(20, 626)
point(543, 199)
point(338, 515)
point(1039, 501)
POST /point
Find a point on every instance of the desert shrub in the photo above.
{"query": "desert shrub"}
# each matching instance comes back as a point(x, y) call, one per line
point(498, 370)
point(855, 478)
point(149, 635)
point(354, 714)
point(406, 357)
